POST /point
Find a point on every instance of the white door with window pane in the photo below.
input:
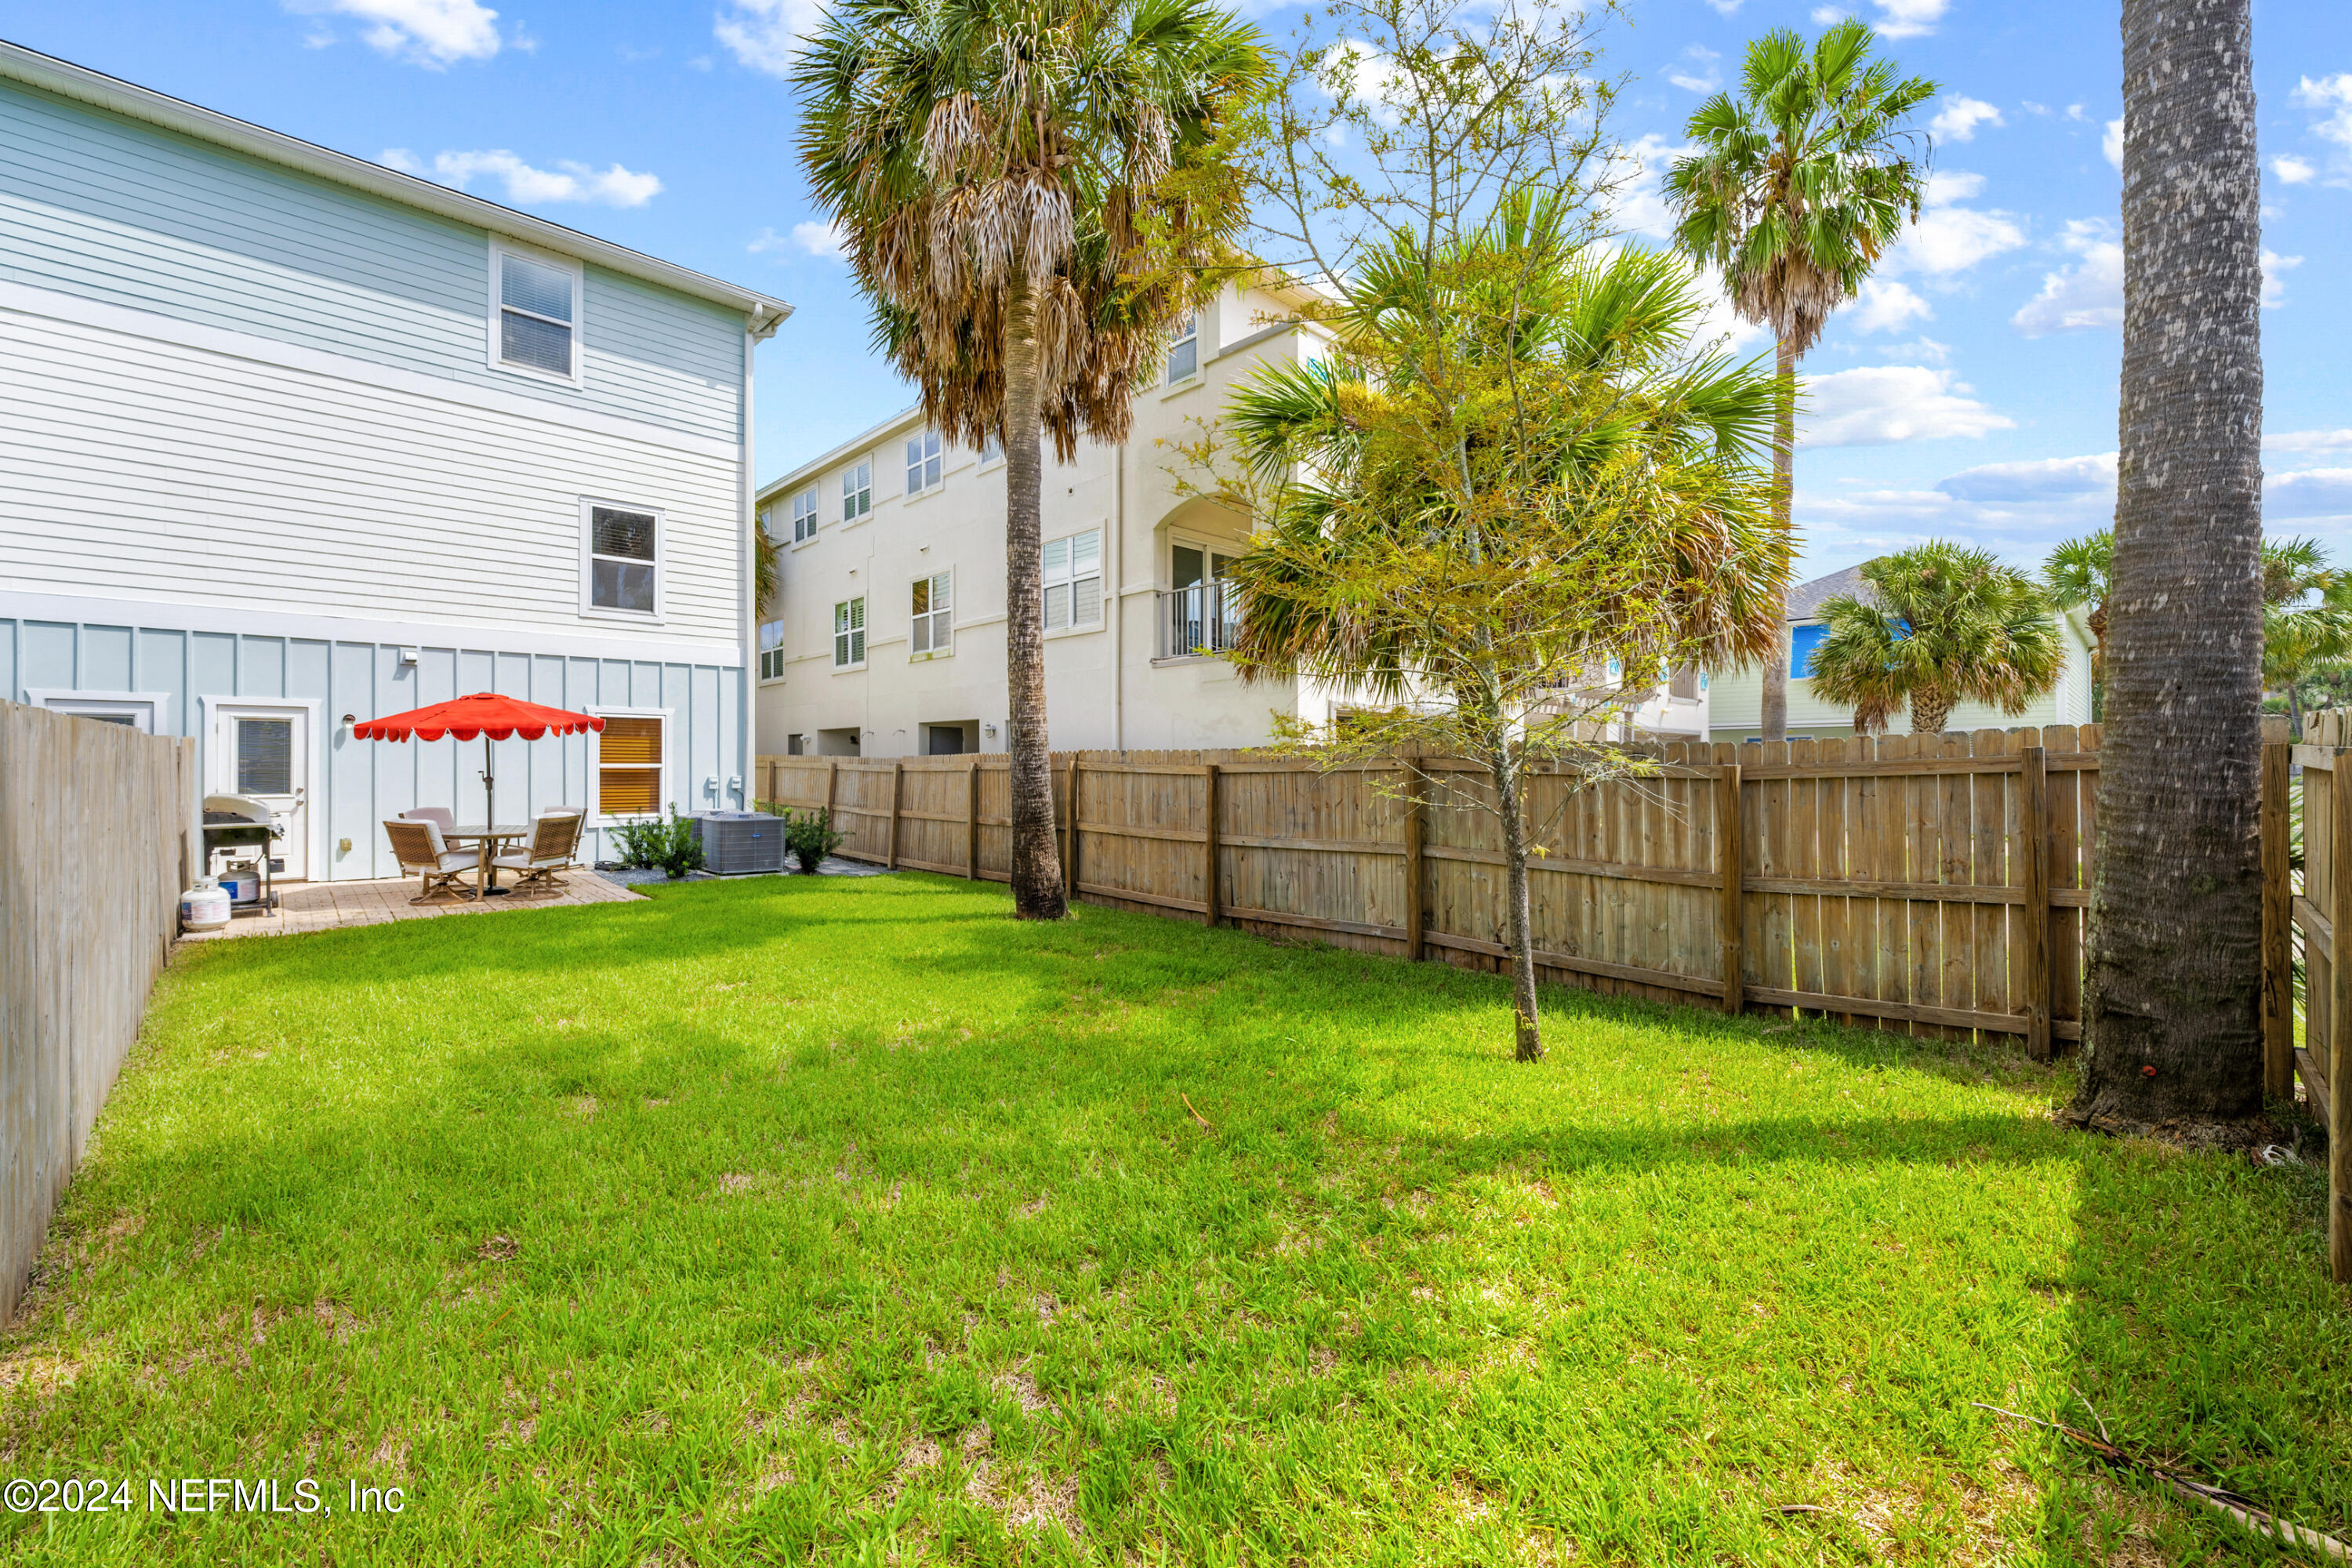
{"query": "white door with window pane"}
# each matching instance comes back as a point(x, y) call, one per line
point(262, 751)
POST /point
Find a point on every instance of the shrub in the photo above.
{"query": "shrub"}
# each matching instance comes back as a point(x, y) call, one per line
point(809, 835)
point(670, 845)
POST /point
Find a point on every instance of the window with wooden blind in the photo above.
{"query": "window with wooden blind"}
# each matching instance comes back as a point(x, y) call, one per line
point(629, 757)
point(1073, 574)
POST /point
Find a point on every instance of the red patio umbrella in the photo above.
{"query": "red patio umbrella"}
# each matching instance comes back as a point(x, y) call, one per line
point(486, 714)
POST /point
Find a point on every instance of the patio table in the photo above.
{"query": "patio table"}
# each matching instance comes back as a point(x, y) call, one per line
point(492, 839)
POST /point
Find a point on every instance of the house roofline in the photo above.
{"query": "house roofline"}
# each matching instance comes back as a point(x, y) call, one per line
point(817, 465)
point(84, 85)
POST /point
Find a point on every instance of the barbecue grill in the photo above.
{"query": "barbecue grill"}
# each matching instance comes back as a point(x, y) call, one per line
point(234, 822)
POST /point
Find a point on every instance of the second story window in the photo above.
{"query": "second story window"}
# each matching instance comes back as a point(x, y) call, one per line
point(623, 561)
point(537, 328)
point(849, 634)
point(1184, 350)
point(1073, 572)
point(922, 462)
point(771, 650)
point(934, 614)
point(857, 491)
point(804, 516)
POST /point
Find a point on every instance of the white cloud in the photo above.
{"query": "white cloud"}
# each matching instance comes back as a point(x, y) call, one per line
point(811, 238)
point(435, 33)
point(2313, 492)
point(766, 35)
point(1888, 306)
point(2309, 441)
point(2112, 143)
point(1951, 239)
point(2332, 96)
point(2042, 110)
point(1892, 403)
point(2291, 170)
point(2085, 297)
point(2045, 478)
point(528, 186)
point(1908, 18)
point(1640, 201)
point(1961, 116)
point(2274, 283)
point(2074, 111)
point(1723, 7)
point(1695, 72)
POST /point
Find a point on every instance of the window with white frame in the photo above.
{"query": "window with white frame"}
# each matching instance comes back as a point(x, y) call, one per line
point(771, 650)
point(535, 319)
point(933, 629)
point(1184, 350)
point(856, 491)
point(630, 752)
point(922, 462)
point(804, 516)
point(1073, 572)
point(849, 634)
point(622, 560)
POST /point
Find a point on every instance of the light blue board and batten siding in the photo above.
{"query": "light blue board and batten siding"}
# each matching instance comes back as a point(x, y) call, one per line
point(132, 215)
point(357, 785)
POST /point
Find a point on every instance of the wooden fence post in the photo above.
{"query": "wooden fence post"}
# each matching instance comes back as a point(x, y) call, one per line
point(898, 772)
point(1070, 861)
point(972, 823)
point(1727, 849)
point(2339, 1024)
point(2034, 790)
point(1416, 841)
point(1209, 888)
point(2278, 954)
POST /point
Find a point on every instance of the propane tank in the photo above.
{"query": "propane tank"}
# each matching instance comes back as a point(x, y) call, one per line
point(204, 906)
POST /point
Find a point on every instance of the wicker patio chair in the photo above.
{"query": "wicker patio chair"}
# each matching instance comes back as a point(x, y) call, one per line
point(554, 839)
point(422, 852)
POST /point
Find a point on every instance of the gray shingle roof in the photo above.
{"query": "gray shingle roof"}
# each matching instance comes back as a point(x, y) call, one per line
point(1805, 598)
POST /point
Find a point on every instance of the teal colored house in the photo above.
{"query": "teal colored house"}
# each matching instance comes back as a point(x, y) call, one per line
point(290, 439)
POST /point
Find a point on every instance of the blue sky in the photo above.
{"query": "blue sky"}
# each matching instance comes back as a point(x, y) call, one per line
point(1972, 395)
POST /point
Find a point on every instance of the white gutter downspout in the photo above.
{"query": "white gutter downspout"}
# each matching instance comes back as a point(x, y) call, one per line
point(759, 327)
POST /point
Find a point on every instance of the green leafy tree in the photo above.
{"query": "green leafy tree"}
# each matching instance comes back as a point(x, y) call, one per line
point(1029, 196)
point(2079, 573)
point(1941, 624)
point(1511, 470)
point(1799, 184)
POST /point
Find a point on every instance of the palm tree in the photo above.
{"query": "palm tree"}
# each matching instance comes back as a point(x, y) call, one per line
point(2302, 638)
point(1941, 625)
point(2082, 571)
point(1467, 536)
point(1799, 186)
point(2171, 1004)
point(1028, 195)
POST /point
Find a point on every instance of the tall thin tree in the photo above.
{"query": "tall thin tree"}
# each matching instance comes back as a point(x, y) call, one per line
point(1030, 195)
point(1799, 186)
point(2171, 1004)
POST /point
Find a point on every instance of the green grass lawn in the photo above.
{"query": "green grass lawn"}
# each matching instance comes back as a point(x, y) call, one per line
point(850, 1221)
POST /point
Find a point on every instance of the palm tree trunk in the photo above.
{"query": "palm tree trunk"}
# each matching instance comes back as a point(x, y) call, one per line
point(1784, 489)
point(2172, 1027)
point(1037, 892)
point(1930, 711)
point(1521, 932)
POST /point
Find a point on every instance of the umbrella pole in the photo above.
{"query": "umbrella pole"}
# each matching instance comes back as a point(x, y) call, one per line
point(490, 787)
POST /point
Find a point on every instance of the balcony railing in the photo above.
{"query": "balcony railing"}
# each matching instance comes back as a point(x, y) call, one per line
point(1205, 618)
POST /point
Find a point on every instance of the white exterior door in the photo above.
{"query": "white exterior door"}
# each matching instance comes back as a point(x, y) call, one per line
point(262, 751)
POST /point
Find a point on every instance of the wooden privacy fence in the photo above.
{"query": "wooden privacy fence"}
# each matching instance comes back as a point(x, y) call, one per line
point(1933, 885)
point(95, 821)
point(2317, 918)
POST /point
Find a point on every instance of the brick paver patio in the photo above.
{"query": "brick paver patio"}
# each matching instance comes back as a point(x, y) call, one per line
point(323, 906)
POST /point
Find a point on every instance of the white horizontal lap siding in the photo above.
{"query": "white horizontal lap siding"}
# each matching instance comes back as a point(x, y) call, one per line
point(138, 216)
point(144, 468)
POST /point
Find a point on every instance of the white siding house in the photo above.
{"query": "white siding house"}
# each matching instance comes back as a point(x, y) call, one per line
point(887, 635)
point(288, 440)
point(1739, 693)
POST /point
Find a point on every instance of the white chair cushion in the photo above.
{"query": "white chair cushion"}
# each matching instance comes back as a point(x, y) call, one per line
point(525, 863)
point(439, 816)
point(459, 859)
